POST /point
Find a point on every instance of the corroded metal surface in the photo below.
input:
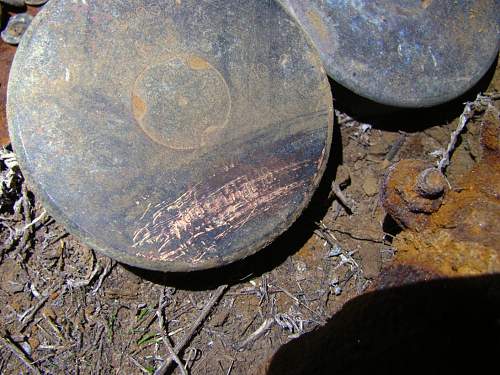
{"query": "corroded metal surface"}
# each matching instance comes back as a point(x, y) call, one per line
point(408, 53)
point(6, 56)
point(171, 135)
point(7, 52)
point(461, 238)
point(411, 191)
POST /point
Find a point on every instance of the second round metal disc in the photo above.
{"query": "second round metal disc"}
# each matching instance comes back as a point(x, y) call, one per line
point(405, 53)
point(171, 135)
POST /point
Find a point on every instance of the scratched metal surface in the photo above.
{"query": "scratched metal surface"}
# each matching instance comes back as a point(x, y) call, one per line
point(170, 135)
point(408, 53)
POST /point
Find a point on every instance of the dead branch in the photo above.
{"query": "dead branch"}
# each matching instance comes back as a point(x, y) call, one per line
point(10, 345)
point(340, 196)
point(164, 334)
point(219, 292)
point(471, 108)
point(259, 332)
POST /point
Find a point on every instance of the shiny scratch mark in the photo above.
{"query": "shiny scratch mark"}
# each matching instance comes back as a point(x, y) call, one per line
point(204, 216)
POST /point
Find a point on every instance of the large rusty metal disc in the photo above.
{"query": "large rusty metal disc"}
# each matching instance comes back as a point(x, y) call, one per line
point(407, 53)
point(170, 135)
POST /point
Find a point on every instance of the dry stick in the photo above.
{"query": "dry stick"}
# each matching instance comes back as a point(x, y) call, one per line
point(36, 220)
point(355, 237)
point(27, 230)
point(192, 330)
point(394, 150)
point(470, 109)
point(340, 196)
point(324, 233)
point(27, 319)
point(7, 342)
point(298, 301)
point(165, 339)
point(464, 118)
point(264, 327)
point(104, 274)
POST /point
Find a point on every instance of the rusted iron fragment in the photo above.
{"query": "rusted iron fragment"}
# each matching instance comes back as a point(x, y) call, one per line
point(172, 136)
point(6, 56)
point(7, 52)
point(403, 53)
point(462, 237)
point(411, 191)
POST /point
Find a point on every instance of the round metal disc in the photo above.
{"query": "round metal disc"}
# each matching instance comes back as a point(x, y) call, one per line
point(406, 53)
point(170, 135)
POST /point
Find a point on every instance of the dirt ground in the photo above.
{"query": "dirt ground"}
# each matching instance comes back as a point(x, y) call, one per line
point(64, 308)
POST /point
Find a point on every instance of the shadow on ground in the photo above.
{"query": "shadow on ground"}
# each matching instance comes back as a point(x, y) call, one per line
point(434, 327)
point(409, 120)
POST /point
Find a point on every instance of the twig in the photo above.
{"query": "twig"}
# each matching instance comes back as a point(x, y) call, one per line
point(219, 292)
point(36, 220)
point(27, 319)
point(298, 301)
point(230, 368)
point(27, 230)
point(7, 342)
point(470, 109)
point(464, 118)
point(340, 196)
point(81, 283)
point(359, 238)
point(164, 337)
point(394, 150)
point(264, 327)
point(103, 275)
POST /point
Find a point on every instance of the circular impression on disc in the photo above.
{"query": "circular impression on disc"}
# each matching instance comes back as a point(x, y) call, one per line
point(405, 53)
point(170, 135)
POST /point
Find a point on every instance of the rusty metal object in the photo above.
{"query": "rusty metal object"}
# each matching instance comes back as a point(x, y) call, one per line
point(7, 53)
point(403, 53)
point(16, 27)
point(461, 238)
point(170, 136)
point(411, 191)
point(6, 56)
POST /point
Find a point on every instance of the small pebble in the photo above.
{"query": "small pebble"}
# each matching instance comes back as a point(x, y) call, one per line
point(337, 290)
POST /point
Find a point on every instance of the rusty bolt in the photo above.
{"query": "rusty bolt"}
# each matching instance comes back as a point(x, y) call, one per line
point(411, 191)
point(431, 183)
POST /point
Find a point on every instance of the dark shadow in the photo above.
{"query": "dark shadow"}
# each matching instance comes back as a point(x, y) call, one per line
point(391, 227)
point(7, 9)
point(273, 255)
point(409, 120)
point(436, 327)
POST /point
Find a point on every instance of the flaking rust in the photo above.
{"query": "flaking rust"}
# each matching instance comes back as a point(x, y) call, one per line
point(461, 236)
